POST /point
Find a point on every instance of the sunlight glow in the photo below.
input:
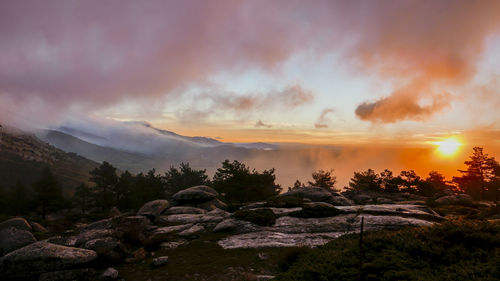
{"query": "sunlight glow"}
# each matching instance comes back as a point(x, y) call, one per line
point(449, 146)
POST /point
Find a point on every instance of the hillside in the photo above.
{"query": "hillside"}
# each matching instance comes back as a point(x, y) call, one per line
point(23, 155)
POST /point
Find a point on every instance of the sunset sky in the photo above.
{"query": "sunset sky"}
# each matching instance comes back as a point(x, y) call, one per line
point(398, 73)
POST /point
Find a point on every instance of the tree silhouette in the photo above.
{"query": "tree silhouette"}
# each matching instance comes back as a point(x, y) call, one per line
point(323, 179)
point(367, 180)
point(239, 184)
point(19, 199)
point(83, 198)
point(184, 177)
point(105, 179)
point(479, 175)
point(48, 192)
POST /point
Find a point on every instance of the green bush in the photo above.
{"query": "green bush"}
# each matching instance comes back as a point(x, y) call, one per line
point(262, 217)
point(450, 251)
point(316, 211)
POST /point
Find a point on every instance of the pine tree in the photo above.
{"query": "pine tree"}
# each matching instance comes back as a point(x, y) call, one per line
point(48, 192)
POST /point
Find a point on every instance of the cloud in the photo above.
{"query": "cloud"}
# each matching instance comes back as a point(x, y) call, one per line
point(259, 124)
point(219, 101)
point(323, 118)
point(425, 48)
point(401, 105)
point(89, 55)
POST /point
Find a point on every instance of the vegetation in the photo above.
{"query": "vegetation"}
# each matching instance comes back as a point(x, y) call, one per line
point(48, 192)
point(449, 251)
point(481, 179)
point(238, 184)
point(262, 217)
point(184, 177)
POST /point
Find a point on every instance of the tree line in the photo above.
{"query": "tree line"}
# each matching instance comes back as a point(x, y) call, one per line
point(237, 182)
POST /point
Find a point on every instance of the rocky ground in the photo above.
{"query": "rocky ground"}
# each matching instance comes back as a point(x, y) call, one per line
point(193, 237)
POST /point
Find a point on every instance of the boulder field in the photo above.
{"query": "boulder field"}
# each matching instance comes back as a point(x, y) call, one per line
point(303, 217)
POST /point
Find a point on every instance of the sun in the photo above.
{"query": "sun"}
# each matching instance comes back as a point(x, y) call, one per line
point(448, 146)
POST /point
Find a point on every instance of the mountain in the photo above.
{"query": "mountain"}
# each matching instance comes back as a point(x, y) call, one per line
point(23, 156)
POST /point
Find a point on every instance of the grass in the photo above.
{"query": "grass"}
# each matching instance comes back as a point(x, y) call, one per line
point(204, 259)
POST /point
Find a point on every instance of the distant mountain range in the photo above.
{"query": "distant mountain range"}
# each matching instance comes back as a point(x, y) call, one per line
point(138, 146)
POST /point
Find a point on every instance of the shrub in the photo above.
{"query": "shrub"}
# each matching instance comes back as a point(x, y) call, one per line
point(450, 251)
point(262, 217)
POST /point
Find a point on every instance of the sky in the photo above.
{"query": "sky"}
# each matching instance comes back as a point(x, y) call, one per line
point(394, 73)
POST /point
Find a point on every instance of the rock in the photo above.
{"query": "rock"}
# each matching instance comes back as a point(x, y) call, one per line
point(292, 232)
point(192, 230)
point(340, 200)
point(276, 240)
point(448, 192)
point(41, 257)
point(109, 274)
point(159, 261)
point(195, 194)
point(137, 256)
point(184, 210)
point(236, 226)
point(38, 227)
point(316, 194)
point(101, 224)
point(18, 223)
point(68, 241)
point(362, 198)
point(153, 208)
point(12, 238)
point(106, 247)
point(131, 228)
point(161, 234)
point(172, 244)
point(114, 212)
point(219, 212)
point(83, 237)
point(454, 199)
point(212, 205)
point(180, 218)
point(255, 205)
point(83, 274)
point(382, 200)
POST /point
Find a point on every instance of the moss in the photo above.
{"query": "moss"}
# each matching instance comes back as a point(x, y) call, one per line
point(262, 217)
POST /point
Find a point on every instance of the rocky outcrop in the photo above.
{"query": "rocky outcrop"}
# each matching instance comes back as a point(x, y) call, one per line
point(153, 208)
point(18, 223)
point(184, 210)
point(36, 227)
point(316, 194)
point(13, 238)
point(41, 257)
point(195, 194)
point(459, 199)
point(290, 231)
point(193, 230)
point(236, 226)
